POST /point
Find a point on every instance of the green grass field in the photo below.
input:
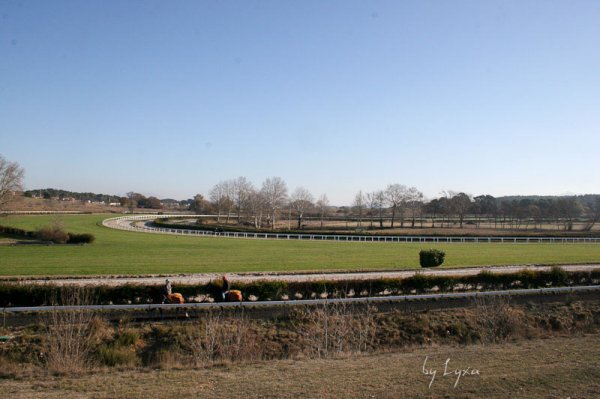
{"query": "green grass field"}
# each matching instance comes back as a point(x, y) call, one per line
point(121, 252)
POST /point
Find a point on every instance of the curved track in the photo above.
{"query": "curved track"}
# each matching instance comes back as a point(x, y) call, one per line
point(143, 223)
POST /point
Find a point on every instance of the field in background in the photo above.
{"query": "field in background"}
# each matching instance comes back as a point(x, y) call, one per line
point(120, 252)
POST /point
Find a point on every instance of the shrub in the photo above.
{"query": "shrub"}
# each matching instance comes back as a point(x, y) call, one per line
point(80, 238)
point(15, 231)
point(431, 257)
point(114, 355)
point(68, 333)
point(558, 276)
point(53, 233)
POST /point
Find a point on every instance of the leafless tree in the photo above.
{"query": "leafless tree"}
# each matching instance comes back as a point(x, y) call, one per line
point(241, 190)
point(132, 200)
point(11, 180)
point(414, 200)
point(219, 197)
point(372, 203)
point(594, 213)
point(274, 190)
point(395, 195)
point(322, 206)
point(380, 196)
point(301, 200)
point(359, 206)
point(256, 203)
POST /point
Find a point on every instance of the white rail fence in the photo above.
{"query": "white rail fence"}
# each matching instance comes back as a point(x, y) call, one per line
point(130, 223)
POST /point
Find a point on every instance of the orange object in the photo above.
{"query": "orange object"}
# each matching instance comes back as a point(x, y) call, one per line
point(233, 296)
point(175, 298)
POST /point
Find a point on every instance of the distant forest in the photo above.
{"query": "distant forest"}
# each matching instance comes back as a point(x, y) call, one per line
point(455, 208)
point(52, 193)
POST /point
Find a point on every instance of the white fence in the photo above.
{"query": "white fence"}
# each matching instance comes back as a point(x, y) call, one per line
point(129, 223)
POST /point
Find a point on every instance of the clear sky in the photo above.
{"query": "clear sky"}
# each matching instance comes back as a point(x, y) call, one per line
point(167, 98)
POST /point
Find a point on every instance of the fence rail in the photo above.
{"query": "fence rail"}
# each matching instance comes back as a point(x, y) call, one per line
point(129, 223)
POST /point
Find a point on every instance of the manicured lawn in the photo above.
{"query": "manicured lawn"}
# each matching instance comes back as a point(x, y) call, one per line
point(121, 252)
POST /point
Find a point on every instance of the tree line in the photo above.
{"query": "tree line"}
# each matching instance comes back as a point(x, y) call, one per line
point(396, 205)
point(264, 205)
point(61, 195)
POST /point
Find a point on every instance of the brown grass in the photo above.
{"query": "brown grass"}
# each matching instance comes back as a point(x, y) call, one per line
point(216, 338)
point(69, 334)
point(552, 368)
point(543, 350)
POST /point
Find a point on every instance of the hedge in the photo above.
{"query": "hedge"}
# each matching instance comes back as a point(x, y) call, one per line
point(23, 294)
point(50, 234)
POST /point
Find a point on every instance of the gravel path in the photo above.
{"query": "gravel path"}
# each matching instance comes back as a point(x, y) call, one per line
point(251, 277)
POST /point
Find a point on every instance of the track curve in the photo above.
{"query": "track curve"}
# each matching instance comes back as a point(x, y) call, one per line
point(142, 223)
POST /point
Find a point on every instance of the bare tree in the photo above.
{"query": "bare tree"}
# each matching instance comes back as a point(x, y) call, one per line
point(274, 191)
point(256, 203)
point(371, 204)
point(301, 201)
point(219, 196)
point(414, 200)
point(594, 213)
point(322, 206)
point(241, 190)
point(11, 180)
point(380, 198)
point(569, 208)
point(359, 205)
point(395, 195)
point(132, 200)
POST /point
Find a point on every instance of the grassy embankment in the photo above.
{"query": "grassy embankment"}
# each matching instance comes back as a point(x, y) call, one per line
point(552, 368)
point(120, 252)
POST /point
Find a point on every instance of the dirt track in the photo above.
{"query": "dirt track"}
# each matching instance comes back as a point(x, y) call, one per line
point(250, 277)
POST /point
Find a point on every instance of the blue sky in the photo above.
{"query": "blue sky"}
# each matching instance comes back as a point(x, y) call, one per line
point(169, 98)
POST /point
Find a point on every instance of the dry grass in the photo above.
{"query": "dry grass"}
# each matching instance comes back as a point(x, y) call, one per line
point(321, 352)
point(497, 320)
point(336, 330)
point(69, 334)
point(216, 338)
point(553, 368)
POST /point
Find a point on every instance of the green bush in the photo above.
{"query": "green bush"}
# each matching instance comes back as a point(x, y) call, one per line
point(558, 276)
point(15, 231)
point(80, 238)
point(431, 257)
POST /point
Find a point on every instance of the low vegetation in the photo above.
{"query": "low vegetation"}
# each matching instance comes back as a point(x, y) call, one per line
point(23, 294)
point(431, 257)
point(53, 233)
point(120, 252)
point(76, 341)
